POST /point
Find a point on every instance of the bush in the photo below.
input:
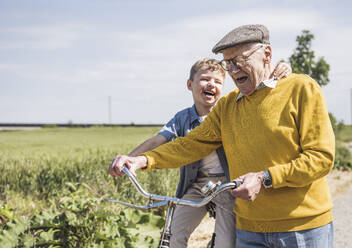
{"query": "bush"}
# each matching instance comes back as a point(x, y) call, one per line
point(80, 221)
point(343, 158)
point(49, 126)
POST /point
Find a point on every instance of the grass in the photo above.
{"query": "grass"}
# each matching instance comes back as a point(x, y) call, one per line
point(71, 141)
point(343, 154)
point(345, 133)
point(37, 166)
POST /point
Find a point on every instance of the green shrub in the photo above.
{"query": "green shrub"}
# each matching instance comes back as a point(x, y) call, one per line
point(41, 173)
point(343, 158)
point(49, 126)
point(80, 221)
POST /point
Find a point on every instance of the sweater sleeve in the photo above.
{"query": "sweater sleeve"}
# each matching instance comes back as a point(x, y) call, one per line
point(317, 141)
point(198, 143)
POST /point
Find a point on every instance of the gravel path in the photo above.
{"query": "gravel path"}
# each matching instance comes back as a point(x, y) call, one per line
point(341, 189)
point(340, 184)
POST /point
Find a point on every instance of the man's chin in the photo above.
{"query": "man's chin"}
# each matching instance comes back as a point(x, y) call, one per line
point(246, 92)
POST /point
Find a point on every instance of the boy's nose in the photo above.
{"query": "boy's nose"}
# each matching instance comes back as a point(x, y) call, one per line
point(211, 82)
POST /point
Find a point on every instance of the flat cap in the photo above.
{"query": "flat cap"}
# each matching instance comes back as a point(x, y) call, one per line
point(241, 35)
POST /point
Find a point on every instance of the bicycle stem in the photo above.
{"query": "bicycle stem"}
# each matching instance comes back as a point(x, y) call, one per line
point(177, 201)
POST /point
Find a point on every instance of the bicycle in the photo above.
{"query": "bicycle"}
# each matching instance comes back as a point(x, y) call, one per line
point(210, 190)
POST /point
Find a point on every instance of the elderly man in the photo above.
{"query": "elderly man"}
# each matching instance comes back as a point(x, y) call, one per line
point(278, 140)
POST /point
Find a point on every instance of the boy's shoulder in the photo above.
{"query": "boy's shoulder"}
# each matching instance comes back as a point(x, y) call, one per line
point(180, 123)
point(186, 113)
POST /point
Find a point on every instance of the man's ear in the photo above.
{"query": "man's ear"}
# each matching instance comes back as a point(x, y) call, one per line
point(189, 84)
point(268, 54)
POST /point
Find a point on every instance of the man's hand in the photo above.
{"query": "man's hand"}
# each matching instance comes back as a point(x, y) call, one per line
point(251, 186)
point(131, 163)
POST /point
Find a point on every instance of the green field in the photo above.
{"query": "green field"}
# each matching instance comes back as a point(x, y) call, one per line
point(51, 172)
point(53, 180)
point(344, 133)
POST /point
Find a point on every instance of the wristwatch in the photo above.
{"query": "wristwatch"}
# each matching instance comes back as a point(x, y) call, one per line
point(267, 181)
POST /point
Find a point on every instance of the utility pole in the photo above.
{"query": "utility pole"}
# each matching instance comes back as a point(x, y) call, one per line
point(109, 109)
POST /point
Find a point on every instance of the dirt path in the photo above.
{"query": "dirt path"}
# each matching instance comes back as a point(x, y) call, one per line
point(340, 184)
point(341, 189)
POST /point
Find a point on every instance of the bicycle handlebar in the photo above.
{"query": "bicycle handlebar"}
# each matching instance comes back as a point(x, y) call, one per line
point(164, 200)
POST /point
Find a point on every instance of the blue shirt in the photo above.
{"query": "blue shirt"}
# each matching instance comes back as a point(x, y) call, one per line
point(182, 123)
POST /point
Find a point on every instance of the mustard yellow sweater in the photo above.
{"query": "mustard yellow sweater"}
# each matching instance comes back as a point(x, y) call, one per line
point(285, 130)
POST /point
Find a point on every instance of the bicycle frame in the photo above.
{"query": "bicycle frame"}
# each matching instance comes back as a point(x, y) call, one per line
point(210, 190)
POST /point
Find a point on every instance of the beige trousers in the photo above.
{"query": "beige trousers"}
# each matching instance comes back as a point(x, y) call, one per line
point(186, 218)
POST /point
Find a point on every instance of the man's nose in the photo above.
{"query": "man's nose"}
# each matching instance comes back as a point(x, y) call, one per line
point(234, 67)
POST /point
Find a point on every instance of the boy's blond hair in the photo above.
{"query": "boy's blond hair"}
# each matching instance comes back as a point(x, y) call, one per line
point(206, 64)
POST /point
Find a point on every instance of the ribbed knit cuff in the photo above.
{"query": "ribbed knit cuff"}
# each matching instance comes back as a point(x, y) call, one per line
point(277, 175)
point(150, 161)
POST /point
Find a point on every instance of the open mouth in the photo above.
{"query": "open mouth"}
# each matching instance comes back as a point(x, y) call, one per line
point(241, 80)
point(209, 93)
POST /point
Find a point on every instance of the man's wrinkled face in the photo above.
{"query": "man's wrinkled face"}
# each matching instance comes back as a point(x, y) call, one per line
point(247, 76)
point(206, 87)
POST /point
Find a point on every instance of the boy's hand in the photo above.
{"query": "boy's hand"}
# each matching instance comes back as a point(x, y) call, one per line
point(250, 187)
point(131, 163)
point(281, 70)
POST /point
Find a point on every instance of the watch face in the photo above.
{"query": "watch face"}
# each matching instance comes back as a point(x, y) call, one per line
point(267, 182)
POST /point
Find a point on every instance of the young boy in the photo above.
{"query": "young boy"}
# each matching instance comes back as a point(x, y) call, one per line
point(206, 82)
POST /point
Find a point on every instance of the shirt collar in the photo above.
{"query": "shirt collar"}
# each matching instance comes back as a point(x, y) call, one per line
point(271, 83)
point(194, 115)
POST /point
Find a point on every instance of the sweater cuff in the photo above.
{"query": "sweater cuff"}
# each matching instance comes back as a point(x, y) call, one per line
point(277, 176)
point(150, 162)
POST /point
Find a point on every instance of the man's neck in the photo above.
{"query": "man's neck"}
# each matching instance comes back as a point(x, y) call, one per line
point(268, 73)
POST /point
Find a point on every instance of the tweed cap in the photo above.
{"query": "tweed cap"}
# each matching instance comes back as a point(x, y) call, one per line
point(241, 35)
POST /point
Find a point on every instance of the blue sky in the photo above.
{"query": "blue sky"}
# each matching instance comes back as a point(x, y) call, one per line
point(61, 60)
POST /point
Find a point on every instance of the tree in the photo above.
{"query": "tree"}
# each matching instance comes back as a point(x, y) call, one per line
point(302, 60)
